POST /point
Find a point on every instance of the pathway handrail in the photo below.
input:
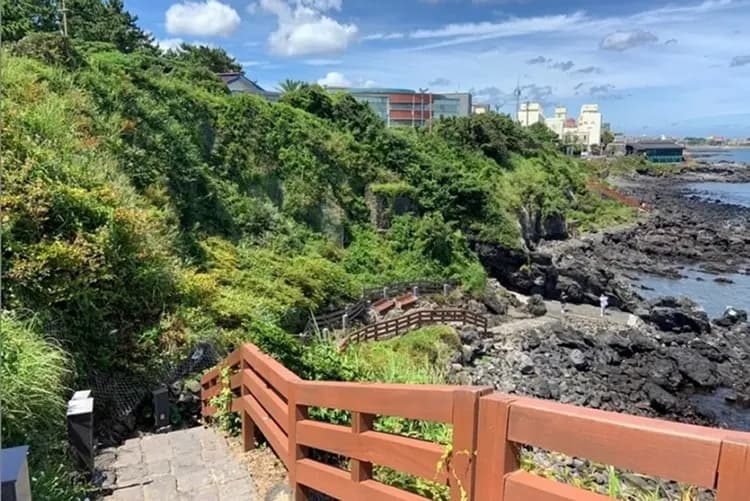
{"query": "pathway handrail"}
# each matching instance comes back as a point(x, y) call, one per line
point(414, 320)
point(488, 429)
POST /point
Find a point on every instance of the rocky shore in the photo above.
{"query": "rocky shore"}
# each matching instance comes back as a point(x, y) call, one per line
point(672, 361)
point(681, 231)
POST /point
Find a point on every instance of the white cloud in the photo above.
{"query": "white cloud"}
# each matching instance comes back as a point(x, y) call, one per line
point(334, 79)
point(251, 8)
point(303, 29)
point(169, 43)
point(210, 18)
point(384, 36)
point(322, 62)
point(511, 27)
point(623, 40)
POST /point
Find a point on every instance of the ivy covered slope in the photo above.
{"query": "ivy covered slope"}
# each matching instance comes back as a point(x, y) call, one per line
point(145, 207)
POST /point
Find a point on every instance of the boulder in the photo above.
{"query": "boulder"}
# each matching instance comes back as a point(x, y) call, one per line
point(578, 359)
point(661, 400)
point(678, 315)
point(496, 298)
point(731, 317)
point(536, 306)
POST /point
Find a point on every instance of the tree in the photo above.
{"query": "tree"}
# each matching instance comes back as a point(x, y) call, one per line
point(21, 17)
point(607, 138)
point(88, 20)
point(215, 59)
point(289, 85)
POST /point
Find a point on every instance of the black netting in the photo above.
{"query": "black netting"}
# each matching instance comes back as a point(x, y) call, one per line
point(117, 395)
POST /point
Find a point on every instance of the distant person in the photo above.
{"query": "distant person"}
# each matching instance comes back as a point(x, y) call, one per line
point(563, 303)
point(603, 302)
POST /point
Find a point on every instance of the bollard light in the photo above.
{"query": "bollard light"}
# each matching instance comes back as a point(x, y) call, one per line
point(161, 407)
point(15, 474)
point(80, 418)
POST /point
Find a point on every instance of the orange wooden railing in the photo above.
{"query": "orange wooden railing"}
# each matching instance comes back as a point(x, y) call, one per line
point(488, 429)
point(414, 320)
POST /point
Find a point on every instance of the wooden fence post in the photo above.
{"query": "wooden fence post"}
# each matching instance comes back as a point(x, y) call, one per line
point(248, 427)
point(496, 457)
point(361, 470)
point(295, 452)
point(462, 463)
point(734, 471)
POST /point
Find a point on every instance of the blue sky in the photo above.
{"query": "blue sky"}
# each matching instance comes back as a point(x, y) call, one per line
point(654, 67)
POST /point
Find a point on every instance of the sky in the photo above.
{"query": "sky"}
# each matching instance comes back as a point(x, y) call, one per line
point(675, 68)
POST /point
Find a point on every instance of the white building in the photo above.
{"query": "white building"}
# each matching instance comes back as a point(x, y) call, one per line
point(530, 114)
point(586, 131)
point(557, 123)
point(590, 125)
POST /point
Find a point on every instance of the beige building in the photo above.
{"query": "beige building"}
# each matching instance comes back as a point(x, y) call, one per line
point(586, 131)
point(530, 114)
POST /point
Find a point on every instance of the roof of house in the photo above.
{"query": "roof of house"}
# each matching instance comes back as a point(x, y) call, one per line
point(656, 145)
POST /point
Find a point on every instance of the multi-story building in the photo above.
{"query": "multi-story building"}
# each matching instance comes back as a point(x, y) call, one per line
point(530, 114)
point(404, 107)
point(559, 121)
point(586, 131)
point(395, 106)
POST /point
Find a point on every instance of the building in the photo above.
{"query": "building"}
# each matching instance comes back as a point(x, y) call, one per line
point(558, 122)
point(238, 82)
point(585, 131)
point(405, 107)
point(530, 114)
point(395, 106)
point(480, 109)
point(657, 151)
point(590, 125)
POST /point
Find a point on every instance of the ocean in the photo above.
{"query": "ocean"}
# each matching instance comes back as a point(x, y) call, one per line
point(713, 296)
point(731, 193)
point(741, 155)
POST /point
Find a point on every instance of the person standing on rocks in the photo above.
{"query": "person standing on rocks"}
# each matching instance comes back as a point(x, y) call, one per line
point(603, 302)
point(563, 302)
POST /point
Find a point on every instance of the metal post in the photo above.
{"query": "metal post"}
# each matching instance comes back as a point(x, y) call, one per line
point(385, 292)
point(161, 408)
point(65, 18)
point(344, 321)
point(80, 418)
point(445, 289)
point(415, 291)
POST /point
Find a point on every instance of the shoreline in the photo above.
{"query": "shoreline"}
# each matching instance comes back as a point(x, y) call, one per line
point(686, 367)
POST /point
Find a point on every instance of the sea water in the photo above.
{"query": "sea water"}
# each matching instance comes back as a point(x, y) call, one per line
point(713, 296)
point(730, 193)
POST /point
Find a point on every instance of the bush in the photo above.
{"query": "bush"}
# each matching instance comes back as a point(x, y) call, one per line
point(34, 378)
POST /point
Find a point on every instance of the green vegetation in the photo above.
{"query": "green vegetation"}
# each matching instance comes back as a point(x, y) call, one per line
point(146, 208)
point(638, 164)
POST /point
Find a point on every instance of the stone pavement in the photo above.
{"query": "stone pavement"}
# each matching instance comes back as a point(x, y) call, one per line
point(185, 465)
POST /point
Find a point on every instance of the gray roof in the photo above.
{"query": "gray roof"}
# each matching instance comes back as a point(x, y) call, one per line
point(656, 145)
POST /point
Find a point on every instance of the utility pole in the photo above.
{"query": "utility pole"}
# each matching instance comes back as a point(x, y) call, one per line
point(527, 114)
point(64, 18)
point(517, 93)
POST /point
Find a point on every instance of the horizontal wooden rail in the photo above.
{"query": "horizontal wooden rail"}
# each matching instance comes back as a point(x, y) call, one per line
point(414, 320)
point(674, 451)
point(488, 429)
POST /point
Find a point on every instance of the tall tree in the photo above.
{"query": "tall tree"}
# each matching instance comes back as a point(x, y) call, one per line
point(108, 21)
point(215, 59)
point(289, 85)
point(21, 17)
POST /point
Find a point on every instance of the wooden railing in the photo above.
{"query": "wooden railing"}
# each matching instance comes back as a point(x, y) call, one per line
point(488, 429)
point(414, 320)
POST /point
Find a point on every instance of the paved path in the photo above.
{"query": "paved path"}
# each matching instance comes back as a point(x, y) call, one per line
point(186, 465)
point(585, 311)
